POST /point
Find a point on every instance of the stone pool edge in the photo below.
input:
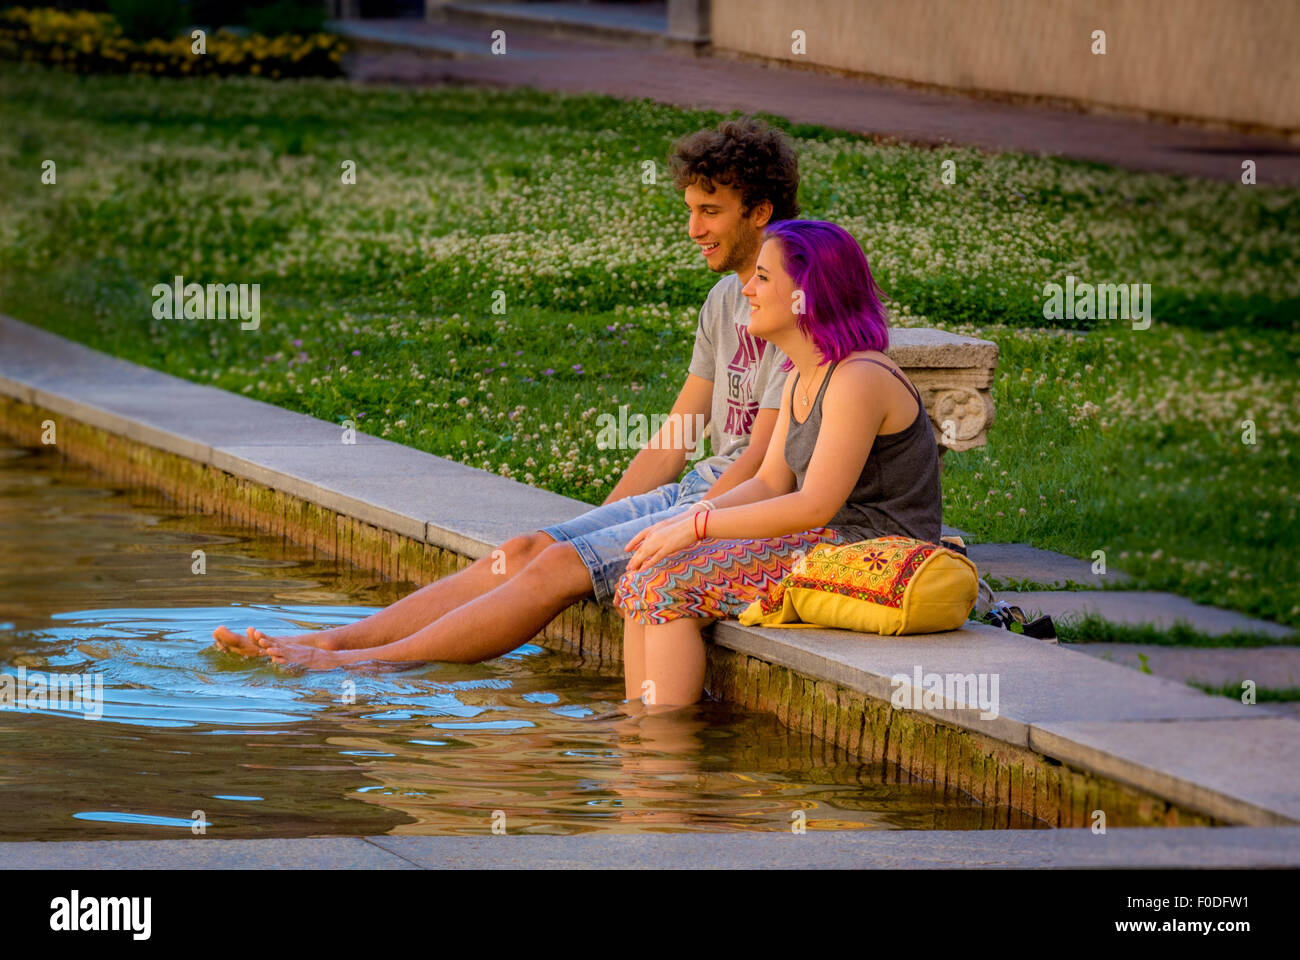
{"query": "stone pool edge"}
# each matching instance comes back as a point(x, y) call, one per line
point(1060, 783)
point(1127, 848)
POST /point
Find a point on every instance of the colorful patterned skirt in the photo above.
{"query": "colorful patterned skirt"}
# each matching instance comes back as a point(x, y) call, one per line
point(714, 578)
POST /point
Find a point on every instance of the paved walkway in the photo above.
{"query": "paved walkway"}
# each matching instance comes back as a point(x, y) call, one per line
point(1201, 847)
point(426, 53)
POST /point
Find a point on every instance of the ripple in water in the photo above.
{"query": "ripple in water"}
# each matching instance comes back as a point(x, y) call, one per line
point(158, 668)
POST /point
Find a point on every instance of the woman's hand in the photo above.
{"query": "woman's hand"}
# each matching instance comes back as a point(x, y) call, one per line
point(637, 540)
point(663, 539)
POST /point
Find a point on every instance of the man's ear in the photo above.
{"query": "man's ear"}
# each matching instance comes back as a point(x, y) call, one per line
point(761, 213)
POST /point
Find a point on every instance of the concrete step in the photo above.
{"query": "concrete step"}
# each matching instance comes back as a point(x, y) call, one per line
point(1142, 608)
point(1019, 561)
point(1275, 667)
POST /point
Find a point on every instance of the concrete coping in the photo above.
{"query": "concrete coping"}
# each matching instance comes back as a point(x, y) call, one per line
point(1119, 848)
point(1211, 754)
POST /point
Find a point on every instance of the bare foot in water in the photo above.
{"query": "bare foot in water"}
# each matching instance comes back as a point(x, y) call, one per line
point(230, 642)
point(246, 645)
point(292, 653)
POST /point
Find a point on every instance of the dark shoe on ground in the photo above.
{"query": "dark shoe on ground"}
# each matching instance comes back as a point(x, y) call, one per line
point(1008, 617)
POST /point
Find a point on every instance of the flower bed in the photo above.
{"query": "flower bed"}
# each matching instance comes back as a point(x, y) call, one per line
point(93, 43)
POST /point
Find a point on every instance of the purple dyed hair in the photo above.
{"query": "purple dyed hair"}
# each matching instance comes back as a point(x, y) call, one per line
point(842, 309)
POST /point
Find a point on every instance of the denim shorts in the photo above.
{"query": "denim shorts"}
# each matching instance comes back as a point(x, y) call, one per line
point(599, 535)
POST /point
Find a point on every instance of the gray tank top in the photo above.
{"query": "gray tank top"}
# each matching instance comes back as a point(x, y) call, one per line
point(898, 492)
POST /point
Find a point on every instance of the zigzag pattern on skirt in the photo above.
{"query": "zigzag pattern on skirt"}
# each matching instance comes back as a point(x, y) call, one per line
point(714, 578)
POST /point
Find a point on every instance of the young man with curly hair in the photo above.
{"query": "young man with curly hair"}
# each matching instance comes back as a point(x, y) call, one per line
point(735, 179)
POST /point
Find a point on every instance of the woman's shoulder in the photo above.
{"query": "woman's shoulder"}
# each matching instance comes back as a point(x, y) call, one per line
point(865, 381)
point(878, 365)
point(876, 355)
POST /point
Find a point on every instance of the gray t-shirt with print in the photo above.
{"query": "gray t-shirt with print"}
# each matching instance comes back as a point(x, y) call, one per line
point(745, 370)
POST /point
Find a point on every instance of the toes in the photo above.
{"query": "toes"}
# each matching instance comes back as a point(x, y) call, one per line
point(229, 642)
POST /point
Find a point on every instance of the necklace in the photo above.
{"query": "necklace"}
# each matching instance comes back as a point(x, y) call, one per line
point(805, 389)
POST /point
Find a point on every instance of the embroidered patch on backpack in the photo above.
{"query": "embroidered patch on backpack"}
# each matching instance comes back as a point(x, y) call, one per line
point(877, 571)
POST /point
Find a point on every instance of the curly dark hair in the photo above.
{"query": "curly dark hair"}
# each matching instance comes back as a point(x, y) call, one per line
point(747, 154)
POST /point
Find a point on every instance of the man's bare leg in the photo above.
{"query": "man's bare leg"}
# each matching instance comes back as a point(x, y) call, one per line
point(486, 627)
point(415, 610)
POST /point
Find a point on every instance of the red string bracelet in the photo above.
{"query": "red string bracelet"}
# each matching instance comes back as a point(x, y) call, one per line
point(706, 523)
point(695, 523)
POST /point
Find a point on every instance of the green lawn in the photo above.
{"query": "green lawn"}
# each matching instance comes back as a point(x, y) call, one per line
point(376, 297)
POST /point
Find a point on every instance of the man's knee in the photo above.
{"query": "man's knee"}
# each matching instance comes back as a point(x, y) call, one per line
point(559, 567)
point(522, 549)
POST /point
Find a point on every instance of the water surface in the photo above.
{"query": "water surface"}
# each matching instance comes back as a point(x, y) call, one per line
point(96, 579)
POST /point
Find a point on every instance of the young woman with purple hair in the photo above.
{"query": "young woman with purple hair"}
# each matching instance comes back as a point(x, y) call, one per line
point(852, 457)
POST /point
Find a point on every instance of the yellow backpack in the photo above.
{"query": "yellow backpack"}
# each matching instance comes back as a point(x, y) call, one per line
point(888, 586)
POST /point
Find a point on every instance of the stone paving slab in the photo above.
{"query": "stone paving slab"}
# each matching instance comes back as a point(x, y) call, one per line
point(1242, 771)
point(1170, 847)
point(1019, 561)
point(1267, 666)
point(1038, 682)
point(870, 849)
point(201, 853)
point(1138, 607)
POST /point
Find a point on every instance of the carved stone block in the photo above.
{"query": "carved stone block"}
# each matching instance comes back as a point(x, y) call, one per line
point(954, 375)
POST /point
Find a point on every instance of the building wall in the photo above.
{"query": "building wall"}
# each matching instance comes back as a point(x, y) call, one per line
point(1221, 60)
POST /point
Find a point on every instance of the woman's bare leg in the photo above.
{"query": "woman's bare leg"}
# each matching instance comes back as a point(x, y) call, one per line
point(633, 658)
point(415, 610)
point(674, 663)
